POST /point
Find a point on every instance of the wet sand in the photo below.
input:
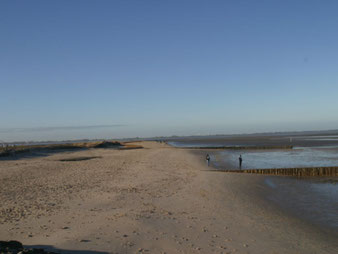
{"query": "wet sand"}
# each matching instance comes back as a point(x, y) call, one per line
point(153, 200)
point(313, 200)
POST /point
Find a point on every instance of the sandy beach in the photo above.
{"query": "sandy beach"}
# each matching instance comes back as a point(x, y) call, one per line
point(158, 199)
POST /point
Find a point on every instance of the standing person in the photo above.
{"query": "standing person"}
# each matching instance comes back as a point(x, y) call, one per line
point(240, 161)
point(207, 159)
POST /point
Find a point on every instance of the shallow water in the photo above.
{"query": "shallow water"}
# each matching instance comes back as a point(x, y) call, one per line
point(290, 158)
point(319, 138)
point(311, 199)
point(317, 156)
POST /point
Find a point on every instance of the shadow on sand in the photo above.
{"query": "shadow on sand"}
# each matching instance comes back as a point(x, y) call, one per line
point(38, 153)
point(51, 248)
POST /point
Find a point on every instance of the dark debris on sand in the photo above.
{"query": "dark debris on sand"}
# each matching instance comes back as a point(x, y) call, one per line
point(15, 247)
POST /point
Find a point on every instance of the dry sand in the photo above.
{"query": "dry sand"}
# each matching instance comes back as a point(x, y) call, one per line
point(153, 200)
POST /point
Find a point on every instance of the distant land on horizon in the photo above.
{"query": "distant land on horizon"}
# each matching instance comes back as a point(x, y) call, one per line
point(279, 133)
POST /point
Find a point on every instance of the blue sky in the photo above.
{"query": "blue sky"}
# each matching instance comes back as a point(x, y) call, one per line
point(147, 68)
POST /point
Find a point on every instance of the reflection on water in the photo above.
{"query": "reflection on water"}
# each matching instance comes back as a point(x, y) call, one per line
point(299, 157)
point(312, 200)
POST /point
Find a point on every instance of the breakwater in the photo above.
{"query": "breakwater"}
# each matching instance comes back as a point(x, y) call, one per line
point(298, 172)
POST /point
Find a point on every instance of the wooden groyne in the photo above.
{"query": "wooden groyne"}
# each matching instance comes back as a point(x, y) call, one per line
point(298, 172)
point(238, 147)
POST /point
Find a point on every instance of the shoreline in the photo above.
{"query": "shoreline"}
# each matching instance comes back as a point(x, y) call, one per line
point(262, 192)
point(151, 200)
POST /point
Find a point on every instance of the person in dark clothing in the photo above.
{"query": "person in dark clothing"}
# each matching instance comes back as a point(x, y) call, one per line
point(240, 161)
point(207, 159)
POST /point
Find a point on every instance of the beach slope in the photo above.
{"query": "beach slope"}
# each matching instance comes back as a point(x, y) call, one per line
point(158, 199)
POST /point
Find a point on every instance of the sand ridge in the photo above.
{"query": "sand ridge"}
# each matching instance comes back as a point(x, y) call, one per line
point(153, 200)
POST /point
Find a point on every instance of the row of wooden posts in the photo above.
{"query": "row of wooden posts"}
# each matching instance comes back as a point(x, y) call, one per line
point(300, 172)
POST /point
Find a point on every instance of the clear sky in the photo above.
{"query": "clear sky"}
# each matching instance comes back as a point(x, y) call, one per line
point(109, 69)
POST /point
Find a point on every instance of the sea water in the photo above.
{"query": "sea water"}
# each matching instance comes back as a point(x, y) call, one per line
point(312, 199)
point(288, 158)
